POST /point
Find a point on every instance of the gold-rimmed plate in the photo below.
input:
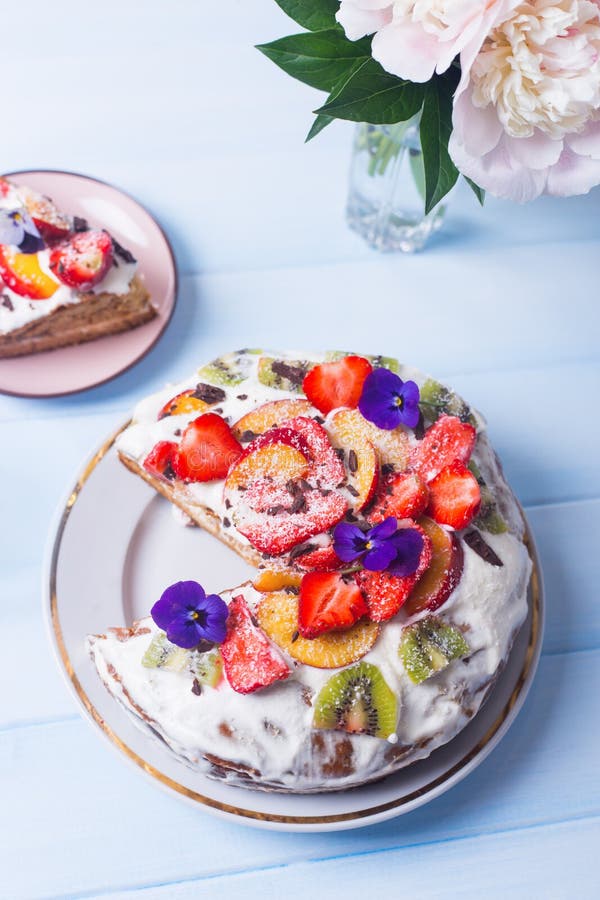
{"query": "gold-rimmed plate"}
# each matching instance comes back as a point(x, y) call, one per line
point(114, 544)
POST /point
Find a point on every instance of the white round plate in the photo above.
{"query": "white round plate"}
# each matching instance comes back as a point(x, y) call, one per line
point(116, 530)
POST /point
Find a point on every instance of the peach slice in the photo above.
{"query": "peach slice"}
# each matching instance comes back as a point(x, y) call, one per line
point(21, 272)
point(277, 615)
point(360, 457)
point(392, 446)
point(274, 462)
point(444, 572)
point(269, 415)
point(185, 403)
point(270, 580)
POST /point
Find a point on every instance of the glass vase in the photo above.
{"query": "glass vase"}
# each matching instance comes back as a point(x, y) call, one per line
point(386, 199)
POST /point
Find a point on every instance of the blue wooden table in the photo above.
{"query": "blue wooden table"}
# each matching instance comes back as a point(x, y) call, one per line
point(172, 103)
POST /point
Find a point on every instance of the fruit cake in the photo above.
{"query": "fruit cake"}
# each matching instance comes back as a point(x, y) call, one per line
point(391, 576)
point(61, 282)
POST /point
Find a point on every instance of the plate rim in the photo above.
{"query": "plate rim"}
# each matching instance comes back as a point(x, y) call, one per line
point(250, 817)
point(167, 321)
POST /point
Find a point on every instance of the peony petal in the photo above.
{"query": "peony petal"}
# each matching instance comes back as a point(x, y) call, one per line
point(404, 49)
point(361, 18)
point(536, 152)
point(479, 129)
point(588, 142)
point(497, 173)
point(573, 174)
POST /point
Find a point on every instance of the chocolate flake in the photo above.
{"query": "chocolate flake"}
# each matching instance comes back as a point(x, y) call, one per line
point(227, 504)
point(299, 503)
point(7, 302)
point(295, 374)
point(209, 393)
point(352, 461)
point(387, 469)
point(126, 255)
point(246, 436)
point(420, 427)
point(482, 548)
point(242, 396)
point(226, 522)
point(275, 510)
point(352, 490)
point(301, 550)
point(319, 420)
point(80, 224)
point(295, 637)
point(196, 687)
point(340, 453)
point(177, 432)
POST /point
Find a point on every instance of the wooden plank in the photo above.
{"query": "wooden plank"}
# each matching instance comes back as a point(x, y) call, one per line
point(61, 780)
point(526, 863)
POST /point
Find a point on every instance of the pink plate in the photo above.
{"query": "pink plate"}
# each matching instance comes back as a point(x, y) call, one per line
point(72, 369)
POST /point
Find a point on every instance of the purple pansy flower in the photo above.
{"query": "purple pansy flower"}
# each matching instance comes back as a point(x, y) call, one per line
point(408, 546)
point(17, 229)
point(387, 401)
point(189, 616)
point(375, 546)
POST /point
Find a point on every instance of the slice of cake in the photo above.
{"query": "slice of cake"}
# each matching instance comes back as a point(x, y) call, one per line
point(61, 282)
point(393, 574)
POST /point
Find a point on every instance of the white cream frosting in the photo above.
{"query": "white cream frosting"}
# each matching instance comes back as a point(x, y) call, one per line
point(20, 311)
point(489, 605)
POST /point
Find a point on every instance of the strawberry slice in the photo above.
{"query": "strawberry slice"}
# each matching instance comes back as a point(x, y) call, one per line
point(280, 498)
point(328, 603)
point(454, 496)
point(50, 222)
point(250, 660)
point(331, 385)
point(159, 461)
point(207, 450)
point(83, 260)
point(319, 559)
point(404, 496)
point(21, 272)
point(385, 594)
point(447, 441)
point(328, 469)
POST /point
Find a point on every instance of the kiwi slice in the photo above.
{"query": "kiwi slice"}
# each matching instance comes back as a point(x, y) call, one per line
point(283, 374)
point(428, 646)
point(378, 362)
point(230, 369)
point(357, 700)
point(488, 518)
point(436, 399)
point(162, 654)
point(206, 667)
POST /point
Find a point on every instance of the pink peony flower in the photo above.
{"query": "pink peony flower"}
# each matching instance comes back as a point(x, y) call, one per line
point(415, 38)
point(527, 110)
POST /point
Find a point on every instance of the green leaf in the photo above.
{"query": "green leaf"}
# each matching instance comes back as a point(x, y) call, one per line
point(319, 59)
point(314, 15)
point(322, 120)
point(372, 95)
point(436, 126)
point(479, 192)
point(317, 126)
